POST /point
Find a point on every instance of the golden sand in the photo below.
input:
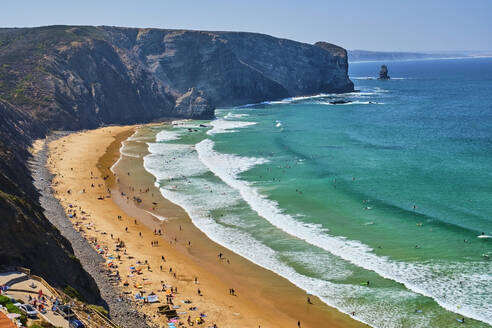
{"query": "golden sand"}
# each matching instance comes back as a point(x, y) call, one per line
point(263, 299)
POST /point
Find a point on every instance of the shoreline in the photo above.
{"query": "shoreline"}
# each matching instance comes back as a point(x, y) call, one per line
point(264, 298)
point(92, 262)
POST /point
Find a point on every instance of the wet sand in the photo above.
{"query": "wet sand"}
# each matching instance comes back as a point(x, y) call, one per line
point(262, 297)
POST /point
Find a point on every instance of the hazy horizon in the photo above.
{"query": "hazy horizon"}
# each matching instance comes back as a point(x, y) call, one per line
point(419, 26)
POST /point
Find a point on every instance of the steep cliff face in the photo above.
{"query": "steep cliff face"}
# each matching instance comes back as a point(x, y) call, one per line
point(72, 77)
point(26, 237)
point(234, 68)
point(75, 77)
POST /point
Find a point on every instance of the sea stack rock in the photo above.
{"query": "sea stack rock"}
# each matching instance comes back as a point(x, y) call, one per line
point(383, 73)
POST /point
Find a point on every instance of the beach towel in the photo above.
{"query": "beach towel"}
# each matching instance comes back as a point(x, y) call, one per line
point(152, 299)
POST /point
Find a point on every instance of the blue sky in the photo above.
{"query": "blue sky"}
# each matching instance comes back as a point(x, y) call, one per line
point(401, 25)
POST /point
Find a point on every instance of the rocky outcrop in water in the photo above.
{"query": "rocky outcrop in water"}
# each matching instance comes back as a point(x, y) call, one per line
point(383, 73)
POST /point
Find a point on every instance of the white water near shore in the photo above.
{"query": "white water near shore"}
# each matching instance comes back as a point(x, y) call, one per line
point(199, 197)
point(196, 163)
point(215, 174)
point(421, 278)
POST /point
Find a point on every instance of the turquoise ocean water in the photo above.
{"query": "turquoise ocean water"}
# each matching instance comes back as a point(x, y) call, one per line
point(393, 188)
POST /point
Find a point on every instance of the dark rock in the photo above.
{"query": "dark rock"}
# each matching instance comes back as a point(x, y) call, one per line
point(383, 73)
point(193, 104)
point(340, 102)
point(28, 239)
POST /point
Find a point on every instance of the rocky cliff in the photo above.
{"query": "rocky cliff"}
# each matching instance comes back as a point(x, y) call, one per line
point(27, 238)
point(71, 77)
point(75, 77)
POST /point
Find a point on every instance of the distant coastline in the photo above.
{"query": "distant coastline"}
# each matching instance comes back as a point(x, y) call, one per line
point(363, 56)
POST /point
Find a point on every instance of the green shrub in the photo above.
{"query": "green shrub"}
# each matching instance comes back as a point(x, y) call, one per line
point(99, 309)
point(4, 300)
point(42, 325)
point(12, 308)
point(73, 293)
point(23, 320)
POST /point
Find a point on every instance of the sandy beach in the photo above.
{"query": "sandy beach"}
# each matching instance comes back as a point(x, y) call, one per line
point(122, 206)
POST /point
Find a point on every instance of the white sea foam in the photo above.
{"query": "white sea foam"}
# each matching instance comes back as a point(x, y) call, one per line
point(159, 217)
point(363, 77)
point(235, 115)
point(356, 94)
point(166, 135)
point(186, 124)
point(429, 280)
point(124, 151)
point(226, 126)
point(167, 161)
point(375, 78)
point(199, 197)
point(233, 165)
point(322, 264)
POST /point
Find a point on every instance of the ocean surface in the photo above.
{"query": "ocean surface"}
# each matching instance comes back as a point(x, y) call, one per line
point(374, 205)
